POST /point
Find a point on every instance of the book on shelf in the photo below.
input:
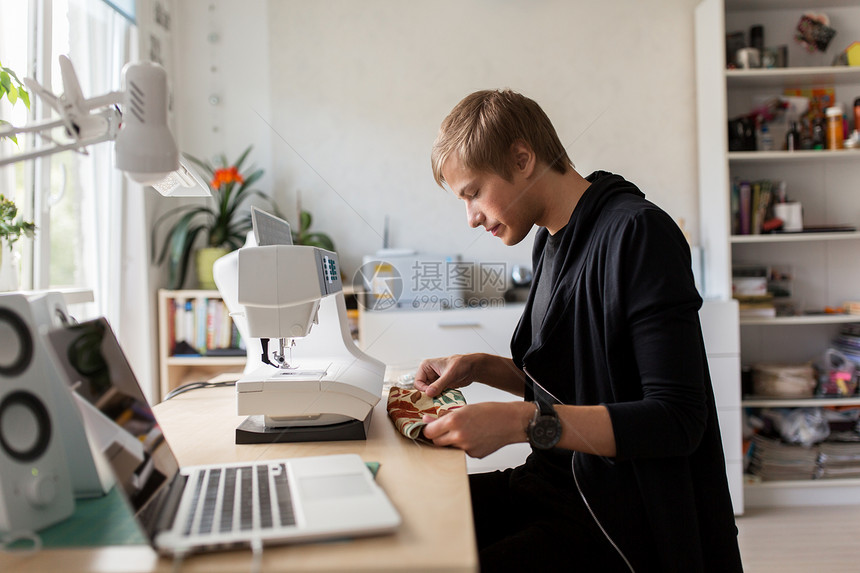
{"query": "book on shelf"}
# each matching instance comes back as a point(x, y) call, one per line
point(772, 459)
point(744, 205)
point(839, 460)
point(751, 206)
point(756, 310)
point(200, 326)
point(756, 306)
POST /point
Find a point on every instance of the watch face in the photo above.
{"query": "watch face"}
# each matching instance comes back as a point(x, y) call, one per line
point(545, 432)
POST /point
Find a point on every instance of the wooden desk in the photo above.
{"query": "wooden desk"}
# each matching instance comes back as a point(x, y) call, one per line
point(428, 485)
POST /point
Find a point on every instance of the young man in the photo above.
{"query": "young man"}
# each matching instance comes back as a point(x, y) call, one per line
point(627, 470)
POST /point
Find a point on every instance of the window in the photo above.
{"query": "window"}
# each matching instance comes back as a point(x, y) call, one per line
point(72, 197)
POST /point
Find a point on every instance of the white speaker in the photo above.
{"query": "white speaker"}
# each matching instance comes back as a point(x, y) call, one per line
point(35, 488)
point(80, 425)
point(49, 310)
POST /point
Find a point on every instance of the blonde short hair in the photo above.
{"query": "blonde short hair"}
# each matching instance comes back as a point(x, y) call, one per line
point(484, 125)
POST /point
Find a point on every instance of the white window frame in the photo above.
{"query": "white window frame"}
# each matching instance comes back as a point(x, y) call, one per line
point(101, 250)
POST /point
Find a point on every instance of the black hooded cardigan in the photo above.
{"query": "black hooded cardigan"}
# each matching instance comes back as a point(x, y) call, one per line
point(622, 329)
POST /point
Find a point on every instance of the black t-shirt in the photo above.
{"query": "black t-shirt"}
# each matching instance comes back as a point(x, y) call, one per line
point(543, 288)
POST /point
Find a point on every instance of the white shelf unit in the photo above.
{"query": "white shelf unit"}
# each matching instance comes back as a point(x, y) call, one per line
point(824, 265)
point(801, 492)
point(811, 319)
point(779, 77)
point(178, 370)
point(795, 237)
point(815, 156)
point(753, 402)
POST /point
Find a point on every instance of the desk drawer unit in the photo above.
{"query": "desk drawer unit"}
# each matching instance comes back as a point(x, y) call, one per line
point(407, 337)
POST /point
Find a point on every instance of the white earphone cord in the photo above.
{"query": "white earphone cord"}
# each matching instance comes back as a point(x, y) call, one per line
point(593, 516)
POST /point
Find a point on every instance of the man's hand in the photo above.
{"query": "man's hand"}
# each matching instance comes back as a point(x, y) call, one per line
point(481, 429)
point(436, 374)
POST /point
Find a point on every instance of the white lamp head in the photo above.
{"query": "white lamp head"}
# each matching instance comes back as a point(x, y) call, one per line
point(145, 148)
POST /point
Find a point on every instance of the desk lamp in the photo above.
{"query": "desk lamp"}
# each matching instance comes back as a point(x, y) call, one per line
point(145, 148)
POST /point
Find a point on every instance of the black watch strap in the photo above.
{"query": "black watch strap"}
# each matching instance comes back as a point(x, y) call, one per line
point(545, 408)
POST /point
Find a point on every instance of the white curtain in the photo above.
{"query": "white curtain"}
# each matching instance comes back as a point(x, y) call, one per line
point(120, 211)
point(100, 41)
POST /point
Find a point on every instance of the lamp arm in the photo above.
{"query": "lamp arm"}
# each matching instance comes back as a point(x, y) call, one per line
point(44, 152)
point(108, 99)
point(30, 128)
point(110, 115)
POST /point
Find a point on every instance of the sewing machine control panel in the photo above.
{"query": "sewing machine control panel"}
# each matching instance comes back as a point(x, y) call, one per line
point(330, 275)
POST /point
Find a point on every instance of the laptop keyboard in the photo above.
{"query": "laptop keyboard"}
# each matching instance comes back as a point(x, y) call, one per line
point(225, 499)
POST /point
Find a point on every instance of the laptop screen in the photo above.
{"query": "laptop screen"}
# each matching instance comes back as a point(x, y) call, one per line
point(97, 369)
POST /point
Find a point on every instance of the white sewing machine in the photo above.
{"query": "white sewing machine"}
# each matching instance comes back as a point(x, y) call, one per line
point(314, 385)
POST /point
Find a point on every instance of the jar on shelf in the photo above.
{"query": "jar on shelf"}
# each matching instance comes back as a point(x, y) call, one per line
point(835, 132)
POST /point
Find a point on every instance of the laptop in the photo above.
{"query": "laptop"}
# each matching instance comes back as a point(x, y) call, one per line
point(220, 506)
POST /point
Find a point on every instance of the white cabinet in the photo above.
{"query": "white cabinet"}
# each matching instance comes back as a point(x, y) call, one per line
point(407, 337)
point(824, 265)
point(720, 331)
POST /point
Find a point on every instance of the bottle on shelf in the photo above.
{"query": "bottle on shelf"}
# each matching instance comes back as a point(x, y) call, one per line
point(757, 38)
point(835, 131)
point(819, 140)
point(766, 139)
point(792, 138)
point(857, 114)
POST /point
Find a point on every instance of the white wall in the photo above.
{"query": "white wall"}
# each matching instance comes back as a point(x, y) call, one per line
point(221, 85)
point(343, 98)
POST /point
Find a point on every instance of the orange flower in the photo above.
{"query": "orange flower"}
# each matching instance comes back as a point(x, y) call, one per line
point(226, 175)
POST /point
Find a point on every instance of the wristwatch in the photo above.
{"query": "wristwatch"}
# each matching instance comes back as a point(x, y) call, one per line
point(544, 429)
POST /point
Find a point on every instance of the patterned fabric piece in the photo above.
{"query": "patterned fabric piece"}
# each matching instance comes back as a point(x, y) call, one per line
point(407, 407)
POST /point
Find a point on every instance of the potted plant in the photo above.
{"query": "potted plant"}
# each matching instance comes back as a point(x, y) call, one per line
point(12, 227)
point(222, 220)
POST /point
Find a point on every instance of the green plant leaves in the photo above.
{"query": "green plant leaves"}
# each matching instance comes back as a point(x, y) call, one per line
point(13, 226)
point(11, 137)
point(13, 89)
point(320, 240)
point(303, 237)
point(305, 221)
